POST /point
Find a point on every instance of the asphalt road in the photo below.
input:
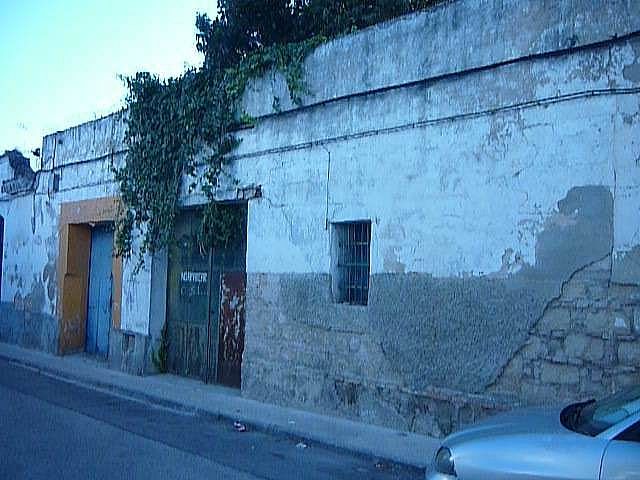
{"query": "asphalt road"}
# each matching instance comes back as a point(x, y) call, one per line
point(52, 429)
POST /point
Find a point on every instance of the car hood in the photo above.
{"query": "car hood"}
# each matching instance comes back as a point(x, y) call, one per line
point(522, 421)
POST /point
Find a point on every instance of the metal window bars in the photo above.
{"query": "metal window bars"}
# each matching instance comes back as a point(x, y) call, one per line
point(354, 239)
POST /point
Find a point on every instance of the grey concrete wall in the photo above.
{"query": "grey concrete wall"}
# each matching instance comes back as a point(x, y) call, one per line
point(128, 352)
point(308, 352)
point(20, 326)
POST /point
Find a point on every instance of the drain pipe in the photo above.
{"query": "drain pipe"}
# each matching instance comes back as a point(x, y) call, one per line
point(326, 212)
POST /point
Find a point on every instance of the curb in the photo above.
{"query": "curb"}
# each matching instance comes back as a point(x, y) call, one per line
point(101, 386)
point(289, 429)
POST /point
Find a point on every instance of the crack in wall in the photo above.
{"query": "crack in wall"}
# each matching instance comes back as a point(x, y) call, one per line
point(585, 343)
point(550, 304)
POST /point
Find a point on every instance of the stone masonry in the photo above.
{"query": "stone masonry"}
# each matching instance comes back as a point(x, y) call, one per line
point(586, 344)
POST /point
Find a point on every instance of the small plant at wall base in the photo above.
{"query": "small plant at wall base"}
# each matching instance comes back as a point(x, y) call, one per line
point(160, 357)
point(185, 125)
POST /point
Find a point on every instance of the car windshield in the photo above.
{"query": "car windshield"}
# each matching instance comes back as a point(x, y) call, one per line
point(595, 417)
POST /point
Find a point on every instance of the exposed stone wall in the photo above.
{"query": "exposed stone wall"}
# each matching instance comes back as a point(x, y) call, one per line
point(420, 368)
point(305, 351)
point(585, 345)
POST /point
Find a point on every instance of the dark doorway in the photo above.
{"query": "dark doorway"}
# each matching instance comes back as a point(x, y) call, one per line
point(205, 308)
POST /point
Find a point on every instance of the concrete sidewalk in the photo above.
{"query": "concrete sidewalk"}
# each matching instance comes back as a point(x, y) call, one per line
point(192, 396)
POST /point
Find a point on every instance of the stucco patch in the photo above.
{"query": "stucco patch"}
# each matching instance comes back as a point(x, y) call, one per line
point(581, 232)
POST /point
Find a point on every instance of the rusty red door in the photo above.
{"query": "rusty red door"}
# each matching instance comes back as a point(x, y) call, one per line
point(231, 330)
point(229, 266)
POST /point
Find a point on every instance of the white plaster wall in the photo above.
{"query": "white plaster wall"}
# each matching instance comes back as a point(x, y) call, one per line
point(439, 201)
point(447, 198)
point(455, 36)
point(29, 238)
point(93, 140)
point(136, 297)
point(626, 152)
point(6, 172)
point(28, 268)
point(83, 157)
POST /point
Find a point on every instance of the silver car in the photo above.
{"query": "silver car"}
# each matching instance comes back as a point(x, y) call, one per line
point(592, 440)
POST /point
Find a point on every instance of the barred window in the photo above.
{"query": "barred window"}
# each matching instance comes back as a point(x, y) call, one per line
point(350, 262)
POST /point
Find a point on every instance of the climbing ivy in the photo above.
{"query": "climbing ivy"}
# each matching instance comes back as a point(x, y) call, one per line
point(183, 127)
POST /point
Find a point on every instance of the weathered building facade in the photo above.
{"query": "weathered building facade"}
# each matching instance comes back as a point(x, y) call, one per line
point(450, 224)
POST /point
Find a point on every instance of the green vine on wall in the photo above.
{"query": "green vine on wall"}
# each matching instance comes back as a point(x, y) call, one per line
point(183, 127)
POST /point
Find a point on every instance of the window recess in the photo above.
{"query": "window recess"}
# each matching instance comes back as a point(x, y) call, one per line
point(350, 260)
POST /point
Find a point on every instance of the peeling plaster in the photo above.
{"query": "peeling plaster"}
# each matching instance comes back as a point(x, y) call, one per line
point(438, 326)
point(512, 263)
point(631, 72)
point(453, 329)
point(49, 277)
point(391, 262)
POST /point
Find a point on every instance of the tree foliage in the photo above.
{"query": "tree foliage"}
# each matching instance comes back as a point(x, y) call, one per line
point(174, 125)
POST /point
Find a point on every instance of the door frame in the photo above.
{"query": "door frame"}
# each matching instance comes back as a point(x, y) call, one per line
point(215, 280)
point(74, 234)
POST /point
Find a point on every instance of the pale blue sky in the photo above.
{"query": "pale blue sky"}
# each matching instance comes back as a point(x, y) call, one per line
point(60, 59)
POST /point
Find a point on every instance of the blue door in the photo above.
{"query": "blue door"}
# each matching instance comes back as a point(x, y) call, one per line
point(100, 278)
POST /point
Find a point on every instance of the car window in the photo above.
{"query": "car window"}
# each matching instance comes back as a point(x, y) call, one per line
point(613, 414)
point(598, 416)
point(631, 434)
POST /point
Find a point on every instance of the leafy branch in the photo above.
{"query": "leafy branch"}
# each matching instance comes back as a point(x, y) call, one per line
point(183, 127)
